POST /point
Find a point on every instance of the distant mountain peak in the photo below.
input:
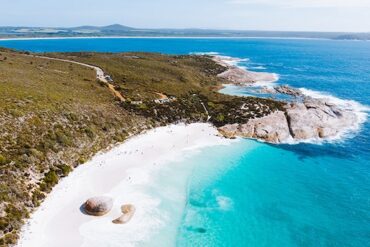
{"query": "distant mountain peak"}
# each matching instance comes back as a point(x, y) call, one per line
point(116, 27)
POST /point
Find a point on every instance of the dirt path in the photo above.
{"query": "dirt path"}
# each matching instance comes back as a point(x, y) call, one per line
point(100, 75)
point(205, 109)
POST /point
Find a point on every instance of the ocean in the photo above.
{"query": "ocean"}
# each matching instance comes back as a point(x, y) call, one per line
point(256, 194)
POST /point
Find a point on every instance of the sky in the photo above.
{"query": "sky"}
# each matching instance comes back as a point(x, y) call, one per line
point(279, 15)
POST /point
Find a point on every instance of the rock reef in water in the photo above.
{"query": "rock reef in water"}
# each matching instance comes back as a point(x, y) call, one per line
point(98, 206)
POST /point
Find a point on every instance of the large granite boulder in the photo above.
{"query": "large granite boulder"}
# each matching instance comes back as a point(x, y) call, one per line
point(230, 130)
point(98, 206)
point(127, 213)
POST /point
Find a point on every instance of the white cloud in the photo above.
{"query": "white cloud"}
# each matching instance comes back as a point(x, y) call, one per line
point(306, 3)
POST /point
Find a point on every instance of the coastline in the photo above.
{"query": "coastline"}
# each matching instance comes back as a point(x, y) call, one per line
point(326, 95)
point(239, 75)
point(329, 119)
point(127, 173)
point(165, 37)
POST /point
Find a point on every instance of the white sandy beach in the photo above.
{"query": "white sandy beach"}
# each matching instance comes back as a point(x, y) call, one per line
point(144, 171)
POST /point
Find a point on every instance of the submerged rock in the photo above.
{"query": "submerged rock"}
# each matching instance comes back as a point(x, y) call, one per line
point(128, 212)
point(98, 206)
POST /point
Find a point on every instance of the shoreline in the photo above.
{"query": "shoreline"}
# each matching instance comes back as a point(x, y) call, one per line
point(320, 111)
point(85, 227)
point(127, 173)
point(239, 75)
point(131, 183)
point(166, 37)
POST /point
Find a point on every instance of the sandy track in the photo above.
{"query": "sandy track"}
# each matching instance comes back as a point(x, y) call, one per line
point(100, 75)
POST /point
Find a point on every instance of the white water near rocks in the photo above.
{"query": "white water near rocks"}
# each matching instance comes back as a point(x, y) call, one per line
point(352, 107)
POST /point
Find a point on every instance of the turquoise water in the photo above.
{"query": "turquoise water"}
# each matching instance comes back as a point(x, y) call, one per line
point(255, 194)
point(270, 196)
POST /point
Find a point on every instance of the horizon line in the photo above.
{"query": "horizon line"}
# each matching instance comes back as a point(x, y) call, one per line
point(185, 28)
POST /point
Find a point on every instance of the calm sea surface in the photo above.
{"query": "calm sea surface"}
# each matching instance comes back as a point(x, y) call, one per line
point(255, 194)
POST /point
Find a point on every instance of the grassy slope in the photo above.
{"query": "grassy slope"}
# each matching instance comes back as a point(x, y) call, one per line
point(140, 75)
point(55, 115)
point(192, 79)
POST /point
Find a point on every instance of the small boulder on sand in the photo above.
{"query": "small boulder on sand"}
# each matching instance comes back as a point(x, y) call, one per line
point(127, 213)
point(98, 206)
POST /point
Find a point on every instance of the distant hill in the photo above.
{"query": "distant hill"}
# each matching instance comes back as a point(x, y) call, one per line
point(120, 30)
point(116, 27)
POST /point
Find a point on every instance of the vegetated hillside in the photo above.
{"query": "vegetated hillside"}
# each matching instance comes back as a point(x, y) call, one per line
point(55, 115)
point(140, 76)
point(191, 80)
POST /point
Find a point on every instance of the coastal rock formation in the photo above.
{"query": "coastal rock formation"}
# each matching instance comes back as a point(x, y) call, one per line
point(271, 128)
point(267, 90)
point(98, 206)
point(311, 119)
point(304, 119)
point(288, 90)
point(127, 213)
point(315, 118)
point(239, 75)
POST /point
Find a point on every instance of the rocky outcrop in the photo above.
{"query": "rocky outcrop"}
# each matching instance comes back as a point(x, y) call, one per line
point(267, 90)
point(311, 119)
point(241, 76)
point(128, 212)
point(288, 90)
point(316, 119)
point(271, 128)
point(98, 206)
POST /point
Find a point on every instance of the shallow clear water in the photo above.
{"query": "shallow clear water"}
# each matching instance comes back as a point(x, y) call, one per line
point(255, 194)
point(266, 195)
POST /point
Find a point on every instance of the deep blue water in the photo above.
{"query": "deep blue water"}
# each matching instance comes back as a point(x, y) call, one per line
point(272, 195)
